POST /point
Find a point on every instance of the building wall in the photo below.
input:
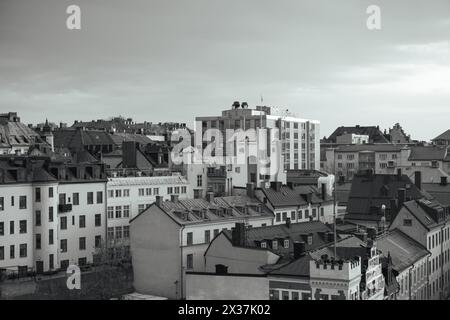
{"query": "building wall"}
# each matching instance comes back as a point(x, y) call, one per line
point(289, 288)
point(413, 281)
point(156, 254)
point(237, 259)
point(229, 287)
point(74, 232)
point(199, 244)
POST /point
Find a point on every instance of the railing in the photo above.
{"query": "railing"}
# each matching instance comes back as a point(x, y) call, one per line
point(62, 208)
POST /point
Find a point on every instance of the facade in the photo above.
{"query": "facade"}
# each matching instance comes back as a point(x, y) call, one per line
point(129, 196)
point(298, 146)
point(428, 223)
point(52, 213)
point(171, 237)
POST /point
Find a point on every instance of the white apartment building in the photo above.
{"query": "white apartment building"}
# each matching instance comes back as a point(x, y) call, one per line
point(298, 144)
point(129, 196)
point(52, 214)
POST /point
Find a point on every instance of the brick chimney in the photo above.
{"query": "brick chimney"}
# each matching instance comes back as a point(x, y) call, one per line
point(418, 179)
point(443, 181)
point(158, 200)
point(210, 197)
point(250, 190)
point(401, 197)
point(238, 235)
point(174, 198)
point(299, 249)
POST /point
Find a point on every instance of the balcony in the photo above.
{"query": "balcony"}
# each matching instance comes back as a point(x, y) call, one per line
point(63, 208)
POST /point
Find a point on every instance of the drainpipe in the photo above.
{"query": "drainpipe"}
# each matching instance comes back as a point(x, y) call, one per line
point(410, 281)
point(441, 263)
point(181, 264)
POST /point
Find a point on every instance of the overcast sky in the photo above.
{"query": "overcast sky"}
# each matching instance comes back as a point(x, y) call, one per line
point(172, 60)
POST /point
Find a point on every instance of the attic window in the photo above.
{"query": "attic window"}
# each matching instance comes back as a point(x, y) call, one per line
point(310, 239)
point(275, 244)
point(263, 244)
point(407, 222)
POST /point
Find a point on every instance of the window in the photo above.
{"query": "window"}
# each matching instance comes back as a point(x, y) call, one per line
point(284, 216)
point(50, 236)
point(118, 211)
point(118, 193)
point(275, 244)
point(189, 238)
point(177, 190)
point(2, 253)
point(11, 227)
point(306, 213)
point(285, 295)
point(407, 222)
point(110, 193)
point(38, 241)
point(2, 203)
point(286, 244)
point(119, 232)
point(110, 212)
point(141, 192)
point(22, 202)
point(38, 218)
point(292, 215)
point(263, 245)
point(126, 211)
point(50, 192)
point(190, 261)
point(110, 233)
point(82, 221)
point(141, 208)
point(98, 241)
point(278, 217)
point(148, 191)
point(23, 250)
point(90, 198)
point(274, 294)
point(126, 232)
point(155, 191)
point(12, 251)
point(23, 226)
point(63, 223)
point(82, 261)
point(50, 214)
point(98, 220)
point(310, 239)
point(199, 180)
point(314, 211)
point(322, 212)
point(63, 244)
point(169, 190)
point(216, 232)
point(300, 214)
point(37, 194)
point(12, 201)
point(183, 189)
point(295, 295)
point(82, 243)
point(207, 236)
point(99, 197)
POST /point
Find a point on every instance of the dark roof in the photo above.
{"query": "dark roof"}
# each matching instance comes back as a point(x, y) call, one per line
point(286, 197)
point(374, 133)
point(441, 193)
point(404, 250)
point(427, 153)
point(443, 136)
point(370, 147)
point(304, 177)
point(429, 213)
point(295, 232)
point(77, 139)
point(370, 192)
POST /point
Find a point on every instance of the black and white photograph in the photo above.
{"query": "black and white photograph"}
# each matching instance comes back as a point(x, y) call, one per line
point(211, 157)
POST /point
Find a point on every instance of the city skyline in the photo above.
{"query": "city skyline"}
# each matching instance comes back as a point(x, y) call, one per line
point(172, 61)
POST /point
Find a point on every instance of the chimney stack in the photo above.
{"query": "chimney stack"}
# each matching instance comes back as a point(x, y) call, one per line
point(210, 197)
point(174, 198)
point(399, 174)
point(443, 181)
point(299, 249)
point(288, 222)
point(324, 191)
point(418, 179)
point(275, 185)
point(250, 190)
point(238, 235)
point(401, 197)
point(158, 200)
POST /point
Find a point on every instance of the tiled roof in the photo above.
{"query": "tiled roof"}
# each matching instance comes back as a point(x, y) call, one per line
point(286, 197)
point(418, 208)
point(443, 136)
point(17, 134)
point(370, 147)
point(404, 251)
point(377, 191)
point(427, 153)
point(150, 181)
point(374, 133)
point(76, 139)
point(441, 193)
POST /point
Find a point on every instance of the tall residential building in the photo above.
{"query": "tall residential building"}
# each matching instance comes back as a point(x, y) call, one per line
point(298, 146)
point(52, 213)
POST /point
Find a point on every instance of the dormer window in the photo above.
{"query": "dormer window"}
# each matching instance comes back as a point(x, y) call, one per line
point(263, 245)
point(310, 239)
point(286, 244)
point(275, 244)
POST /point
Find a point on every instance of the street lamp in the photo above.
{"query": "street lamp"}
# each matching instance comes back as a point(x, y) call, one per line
point(383, 219)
